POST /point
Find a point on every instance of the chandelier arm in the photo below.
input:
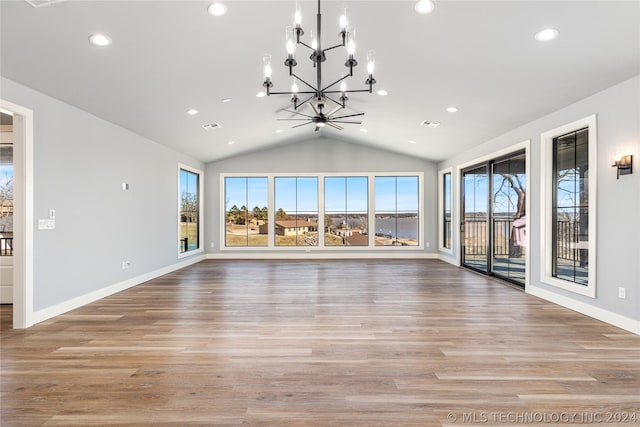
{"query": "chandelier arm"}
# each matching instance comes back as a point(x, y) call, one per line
point(306, 45)
point(291, 93)
point(333, 47)
point(335, 83)
point(300, 104)
point(348, 115)
point(334, 101)
point(295, 112)
point(313, 88)
point(335, 126)
point(347, 91)
point(293, 119)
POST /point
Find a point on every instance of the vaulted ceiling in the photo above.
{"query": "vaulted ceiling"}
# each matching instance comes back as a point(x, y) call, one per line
point(170, 56)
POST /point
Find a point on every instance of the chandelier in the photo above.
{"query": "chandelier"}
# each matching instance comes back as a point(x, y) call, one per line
point(318, 95)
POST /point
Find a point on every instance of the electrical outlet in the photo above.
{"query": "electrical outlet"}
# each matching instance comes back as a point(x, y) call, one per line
point(622, 293)
point(428, 244)
point(212, 244)
point(126, 264)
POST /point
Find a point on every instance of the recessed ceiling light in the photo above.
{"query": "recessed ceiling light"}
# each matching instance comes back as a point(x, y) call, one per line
point(279, 130)
point(231, 142)
point(217, 9)
point(211, 126)
point(412, 142)
point(363, 130)
point(261, 94)
point(99, 40)
point(192, 112)
point(382, 92)
point(225, 100)
point(430, 124)
point(546, 34)
point(452, 109)
point(424, 6)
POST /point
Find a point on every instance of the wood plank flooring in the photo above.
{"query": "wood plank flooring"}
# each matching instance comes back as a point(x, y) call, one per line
point(320, 343)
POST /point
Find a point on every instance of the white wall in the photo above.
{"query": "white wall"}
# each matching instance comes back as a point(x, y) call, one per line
point(320, 155)
point(80, 162)
point(618, 204)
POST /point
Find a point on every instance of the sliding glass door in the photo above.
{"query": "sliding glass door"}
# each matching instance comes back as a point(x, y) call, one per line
point(493, 228)
point(475, 218)
point(509, 218)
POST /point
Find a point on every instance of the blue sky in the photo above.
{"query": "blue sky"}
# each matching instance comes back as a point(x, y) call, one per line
point(188, 182)
point(342, 194)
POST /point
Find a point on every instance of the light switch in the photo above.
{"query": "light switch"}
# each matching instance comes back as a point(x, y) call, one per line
point(125, 186)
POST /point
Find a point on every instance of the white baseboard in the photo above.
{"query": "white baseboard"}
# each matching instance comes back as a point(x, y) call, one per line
point(320, 255)
point(63, 307)
point(606, 316)
point(449, 259)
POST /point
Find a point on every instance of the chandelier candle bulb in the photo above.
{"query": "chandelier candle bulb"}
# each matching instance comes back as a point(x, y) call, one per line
point(297, 16)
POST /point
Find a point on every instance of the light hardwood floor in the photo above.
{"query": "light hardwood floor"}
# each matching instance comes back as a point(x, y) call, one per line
point(340, 343)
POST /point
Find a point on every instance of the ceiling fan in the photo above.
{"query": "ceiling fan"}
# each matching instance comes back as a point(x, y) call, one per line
point(322, 119)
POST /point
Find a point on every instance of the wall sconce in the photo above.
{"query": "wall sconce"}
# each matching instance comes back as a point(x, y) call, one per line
point(623, 165)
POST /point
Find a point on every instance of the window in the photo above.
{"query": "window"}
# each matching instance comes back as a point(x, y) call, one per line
point(568, 208)
point(246, 211)
point(189, 210)
point(323, 211)
point(346, 212)
point(296, 211)
point(445, 211)
point(396, 210)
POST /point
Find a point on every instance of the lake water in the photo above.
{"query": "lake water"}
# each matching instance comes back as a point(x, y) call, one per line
point(407, 227)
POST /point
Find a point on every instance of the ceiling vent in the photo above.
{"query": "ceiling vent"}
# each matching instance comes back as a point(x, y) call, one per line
point(42, 3)
point(430, 124)
point(211, 126)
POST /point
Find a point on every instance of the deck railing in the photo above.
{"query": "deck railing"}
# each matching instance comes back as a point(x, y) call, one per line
point(476, 238)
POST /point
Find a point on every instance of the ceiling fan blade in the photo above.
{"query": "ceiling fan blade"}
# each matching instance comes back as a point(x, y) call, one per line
point(293, 119)
point(313, 107)
point(335, 126)
point(295, 112)
point(334, 110)
point(348, 115)
point(303, 124)
point(346, 121)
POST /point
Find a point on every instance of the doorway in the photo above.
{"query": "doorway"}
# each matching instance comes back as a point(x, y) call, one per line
point(22, 239)
point(493, 228)
point(6, 207)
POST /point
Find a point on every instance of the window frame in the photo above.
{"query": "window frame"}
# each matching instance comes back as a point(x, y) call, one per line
point(441, 204)
point(321, 211)
point(546, 206)
point(200, 174)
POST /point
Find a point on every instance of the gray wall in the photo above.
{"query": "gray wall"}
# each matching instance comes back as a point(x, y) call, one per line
point(80, 162)
point(618, 203)
point(319, 155)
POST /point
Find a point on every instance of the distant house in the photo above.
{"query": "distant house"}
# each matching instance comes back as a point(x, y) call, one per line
point(357, 239)
point(291, 227)
point(347, 232)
